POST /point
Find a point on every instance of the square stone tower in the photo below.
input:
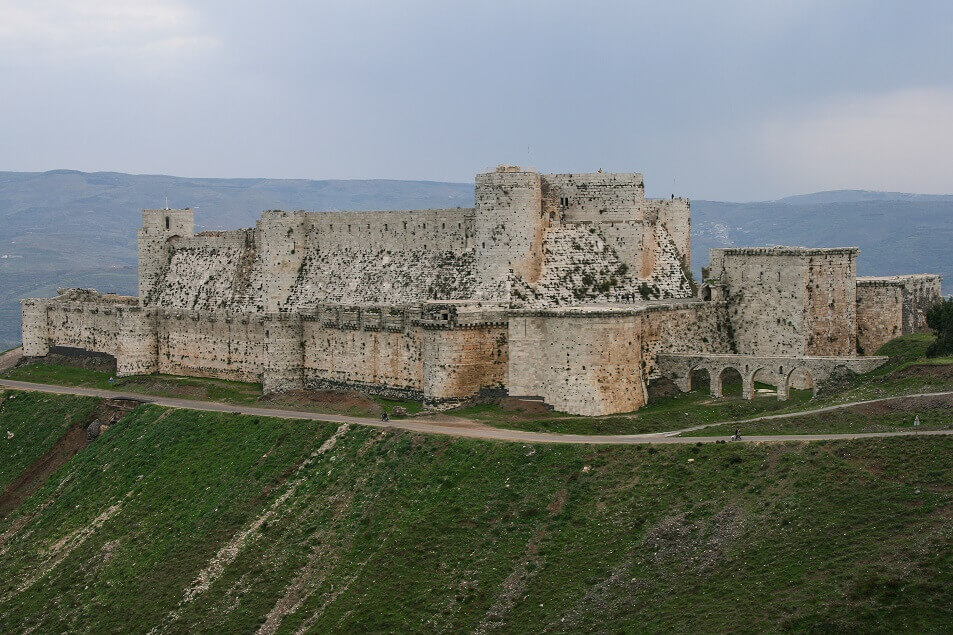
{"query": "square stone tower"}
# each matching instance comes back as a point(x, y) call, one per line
point(789, 300)
point(160, 229)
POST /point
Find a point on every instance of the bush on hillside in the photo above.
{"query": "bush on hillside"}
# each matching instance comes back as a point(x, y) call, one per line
point(940, 319)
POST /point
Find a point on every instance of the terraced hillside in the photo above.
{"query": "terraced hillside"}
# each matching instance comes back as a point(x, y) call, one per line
point(180, 521)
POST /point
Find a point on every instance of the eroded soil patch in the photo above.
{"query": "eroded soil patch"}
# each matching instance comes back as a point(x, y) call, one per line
point(334, 401)
point(108, 412)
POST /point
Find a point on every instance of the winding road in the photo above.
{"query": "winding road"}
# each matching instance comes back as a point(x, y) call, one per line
point(460, 427)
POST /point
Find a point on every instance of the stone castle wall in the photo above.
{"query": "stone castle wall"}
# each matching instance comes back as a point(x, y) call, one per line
point(789, 301)
point(879, 314)
point(600, 360)
point(568, 287)
point(890, 306)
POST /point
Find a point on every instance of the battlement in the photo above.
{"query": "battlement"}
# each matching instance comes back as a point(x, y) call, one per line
point(784, 251)
point(925, 278)
point(168, 221)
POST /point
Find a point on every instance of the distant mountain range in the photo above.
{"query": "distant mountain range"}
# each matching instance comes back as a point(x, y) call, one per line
point(69, 228)
point(896, 232)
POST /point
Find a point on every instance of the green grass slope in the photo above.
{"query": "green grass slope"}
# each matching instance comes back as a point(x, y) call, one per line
point(181, 521)
point(30, 424)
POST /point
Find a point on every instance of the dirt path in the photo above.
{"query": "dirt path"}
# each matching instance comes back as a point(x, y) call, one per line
point(438, 424)
point(789, 415)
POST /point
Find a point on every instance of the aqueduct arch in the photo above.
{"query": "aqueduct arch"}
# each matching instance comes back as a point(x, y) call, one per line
point(780, 368)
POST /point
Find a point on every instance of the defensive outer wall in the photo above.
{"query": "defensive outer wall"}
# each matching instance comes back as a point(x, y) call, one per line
point(572, 288)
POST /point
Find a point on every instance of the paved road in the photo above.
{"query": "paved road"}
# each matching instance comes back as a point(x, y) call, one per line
point(452, 426)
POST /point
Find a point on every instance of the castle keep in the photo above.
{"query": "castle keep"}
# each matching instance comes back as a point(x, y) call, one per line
point(573, 288)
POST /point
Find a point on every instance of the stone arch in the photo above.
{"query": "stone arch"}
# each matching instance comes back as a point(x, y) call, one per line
point(730, 376)
point(171, 240)
point(699, 377)
point(765, 375)
point(800, 378)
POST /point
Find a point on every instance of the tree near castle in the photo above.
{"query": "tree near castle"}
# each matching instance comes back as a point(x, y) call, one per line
point(940, 319)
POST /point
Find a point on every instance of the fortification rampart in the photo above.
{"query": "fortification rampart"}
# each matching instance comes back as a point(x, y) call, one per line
point(599, 360)
point(565, 286)
point(788, 300)
point(890, 306)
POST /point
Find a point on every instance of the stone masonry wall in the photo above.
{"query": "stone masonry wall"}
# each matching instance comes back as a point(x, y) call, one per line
point(433, 364)
point(210, 344)
point(831, 317)
point(87, 325)
point(581, 266)
point(137, 343)
point(675, 216)
point(509, 225)
point(381, 360)
point(460, 362)
point(921, 291)
point(598, 361)
point(588, 364)
point(438, 229)
point(207, 273)
point(36, 331)
point(596, 197)
point(879, 313)
point(161, 228)
point(519, 232)
point(383, 277)
point(684, 327)
point(789, 301)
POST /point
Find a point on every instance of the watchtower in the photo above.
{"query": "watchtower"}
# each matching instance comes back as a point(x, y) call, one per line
point(161, 228)
point(509, 223)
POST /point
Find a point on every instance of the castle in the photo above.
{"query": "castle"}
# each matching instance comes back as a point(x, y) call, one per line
point(570, 288)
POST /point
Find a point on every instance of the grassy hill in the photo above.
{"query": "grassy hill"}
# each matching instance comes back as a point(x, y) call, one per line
point(181, 521)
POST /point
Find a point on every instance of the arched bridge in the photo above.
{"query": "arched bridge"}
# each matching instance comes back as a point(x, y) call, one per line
point(778, 370)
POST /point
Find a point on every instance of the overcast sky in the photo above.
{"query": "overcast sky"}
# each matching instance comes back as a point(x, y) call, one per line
point(725, 100)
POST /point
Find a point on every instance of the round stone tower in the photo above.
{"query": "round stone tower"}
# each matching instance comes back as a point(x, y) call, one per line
point(509, 224)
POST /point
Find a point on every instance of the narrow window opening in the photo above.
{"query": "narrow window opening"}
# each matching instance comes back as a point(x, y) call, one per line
point(167, 222)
